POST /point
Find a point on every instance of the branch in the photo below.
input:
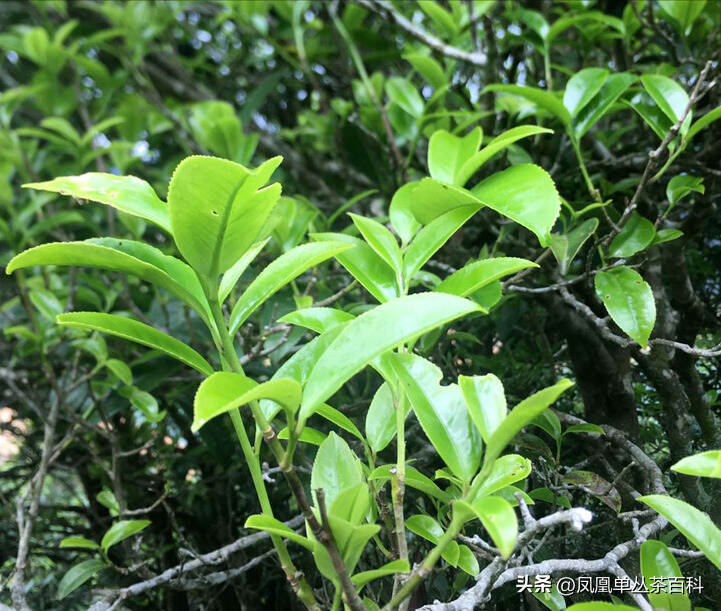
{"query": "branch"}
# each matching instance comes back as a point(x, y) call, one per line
point(386, 10)
point(217, 556)
point(653, 157)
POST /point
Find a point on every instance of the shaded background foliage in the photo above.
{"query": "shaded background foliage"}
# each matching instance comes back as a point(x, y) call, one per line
point(133, 87)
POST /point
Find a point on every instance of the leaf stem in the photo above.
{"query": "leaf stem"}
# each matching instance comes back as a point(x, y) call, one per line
point(589, 184)
point(230, 358)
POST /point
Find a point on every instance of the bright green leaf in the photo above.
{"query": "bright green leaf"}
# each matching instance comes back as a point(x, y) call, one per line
point(442, 414)
point(497, 517)
point(695, 525)
point(138, 332)
point(217, 209)
point(122, 530)
point(519, 417)
point(565, 247)
point(125, 256)
point(705, 464)
point(629, 301)
point(581, 88)
point(224, 391)
point(277, 274)
point(373, 333)
point(478, 274)
point(636, 235)
point(335, 469)
point(448, 153)
point(667, 93)
point(486, 402)
point(316, 319)
point(126, 193)
point(80, 542)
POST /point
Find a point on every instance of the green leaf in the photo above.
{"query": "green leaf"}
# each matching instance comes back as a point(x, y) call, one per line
point(680, 186)
point(705, 464)
point(122, 530)
point(506, 470)
point(350, 539)
point(46, 303)
point(703, 122)
point(364, 264)
point(352, 504)
point(442, 19)
point(138, 332)
point(548, 421)
point(414, 479)
point(653, 116)
point(524, 193)
point(316, 319)
point(543, 99)
point(107, 499)
point(331, 414)
point(401, 216)
point(428, 528)
point(428, 68)
point(80, 542)
point(658, 561)
point(602, 102)
point(299, 366)
point(585, 428)
point(307, 435)
point(667, 93)
point(224, 391)
point(447, 153)
point(373, 333)
point(478, 274)
point(403, 93)
point(217, 209)
point(274, 526)
point(441, 413)
point(335, 469)
point(496, 145)
point(552, 600)
point(636, 235)
point(581, 88)
point(600, 607)
point(467, 561)
point(519, 417)
point(432, 237)
point(126, 193)
point(497, 517)
point(485, 401)
point(277, 274)
point(390, 568)
point(563, 23)
point(120, 369)
point(380, 423)
point(695, 525)
point(143, 401)
point(231, 277)
point(565, 247)
point(628, 300)
point(125, 256)
point(684, 14)
point(380, 239)
point(666, 235)
point(78, 575)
